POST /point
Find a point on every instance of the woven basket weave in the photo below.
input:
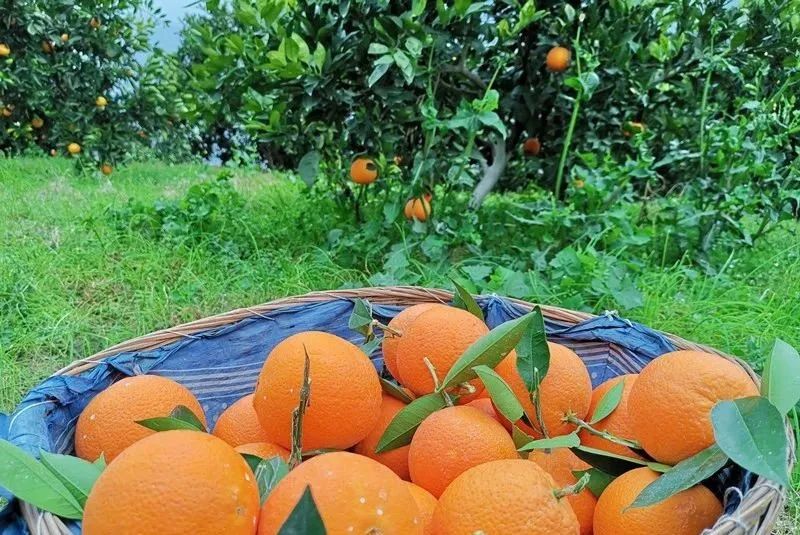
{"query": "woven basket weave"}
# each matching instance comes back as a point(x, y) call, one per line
point(756, 514)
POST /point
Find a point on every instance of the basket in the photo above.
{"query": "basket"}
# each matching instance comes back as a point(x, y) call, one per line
point(219, 358)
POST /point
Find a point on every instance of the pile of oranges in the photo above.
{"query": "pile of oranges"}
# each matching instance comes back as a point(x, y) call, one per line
point(460, 472)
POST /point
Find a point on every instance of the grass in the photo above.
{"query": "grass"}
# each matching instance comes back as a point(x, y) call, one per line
point(71, 285)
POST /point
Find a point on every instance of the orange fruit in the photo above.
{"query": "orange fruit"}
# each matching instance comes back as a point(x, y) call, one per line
point(363, 171)
point(238, 424)
point(440, 334)
point(418, 208)
point(53, 152)
point(560, 463)
point(108, 423)
point(37, 122)
point(532, 146)
point(686, 513)
point(345, 400)
point(396, 459)
point(567, 388)
point(558, 59)
point(485, 405)
point(399, 323)
point(353, 494)
point(5, 50)
point(618, 423)
point(101, 102)
point(47, 47)
point(94, 23)
point(8, 111)
point(73, 148)
point(64, 37)
point(505, 497)
point(670, 403)
point(174, 483)
point(426, 504)
point(106, 169)
point(265, 450)
point(453, 440)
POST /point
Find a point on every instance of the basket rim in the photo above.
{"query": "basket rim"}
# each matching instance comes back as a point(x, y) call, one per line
point(757, 511)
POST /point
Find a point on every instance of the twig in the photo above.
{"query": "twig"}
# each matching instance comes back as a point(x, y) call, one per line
point(571, 418)
point(296, 456)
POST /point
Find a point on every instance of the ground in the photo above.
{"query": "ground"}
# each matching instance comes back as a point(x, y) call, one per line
point(71, 284)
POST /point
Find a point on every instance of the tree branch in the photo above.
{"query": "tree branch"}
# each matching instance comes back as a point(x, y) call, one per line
point(491, 174)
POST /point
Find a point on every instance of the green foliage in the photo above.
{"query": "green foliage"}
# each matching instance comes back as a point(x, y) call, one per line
point(64, 58)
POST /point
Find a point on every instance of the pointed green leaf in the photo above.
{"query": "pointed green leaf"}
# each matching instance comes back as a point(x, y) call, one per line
point(269, 473)
point(781, 381)
point(751, 432)
point(370, 347)
point(184, 413)
point(502, 396)
point(463, 299)
point(533, 353)
point(405, 422)
point(304, 518)
point(395, 391)
point(252, 461)
point(378, 72)
point(361, 317)
point(101, 462)
point(167, 423)
point(76, 474)
point(564, 441)
point(308, 167)
point(682, 476)
point(610, 463)
point(488, 350)
point(608, 403)
point(598, 480)
point(27, 479)
point(520, 437)
point(418, 7)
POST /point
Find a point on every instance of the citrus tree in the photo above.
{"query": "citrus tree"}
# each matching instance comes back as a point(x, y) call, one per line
point(71, 81)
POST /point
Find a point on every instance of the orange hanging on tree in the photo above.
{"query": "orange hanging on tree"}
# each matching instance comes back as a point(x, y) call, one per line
point(558, 59)
point(363, 171)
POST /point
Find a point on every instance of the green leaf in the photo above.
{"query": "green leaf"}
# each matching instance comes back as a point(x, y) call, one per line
point(167, 423)
point(378, 49)
point(608, 402)
point(370, 347)
point(252, 461)
point(564, 441)
point(101, 462)
point(533, 353)
point(781, 378)
point(304, 518)
point(76, 474)
point(405, 65)
point(463, 299)
point(308, 167)
point(610, 463)
point(405, 422)
point(269, 473)
point(682, 476)
point(751, 432)
point(361, 317)
point(598, 480)
point(30, 481)
point(395, 391)
point(520, 437)
point(502, 395)
point(378, 72)
point(181, 412)
point(492, 120)
point(488, 350)
point(418, 7)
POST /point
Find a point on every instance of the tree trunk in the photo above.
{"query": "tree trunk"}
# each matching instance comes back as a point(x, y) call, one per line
point(491, 173)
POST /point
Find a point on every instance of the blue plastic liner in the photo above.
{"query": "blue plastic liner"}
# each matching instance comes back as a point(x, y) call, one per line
point(221, 365)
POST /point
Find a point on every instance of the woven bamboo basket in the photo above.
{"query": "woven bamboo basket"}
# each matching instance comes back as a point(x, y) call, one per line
point(756, 513)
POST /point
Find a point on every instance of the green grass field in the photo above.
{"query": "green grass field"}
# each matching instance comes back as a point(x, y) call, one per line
point(71, 285)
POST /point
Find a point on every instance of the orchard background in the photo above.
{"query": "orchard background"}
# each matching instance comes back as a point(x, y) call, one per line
point(648, 165)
